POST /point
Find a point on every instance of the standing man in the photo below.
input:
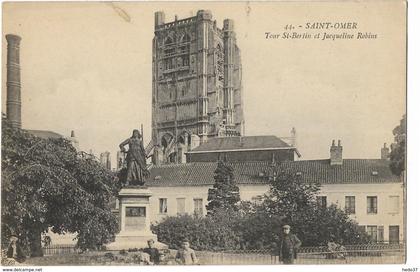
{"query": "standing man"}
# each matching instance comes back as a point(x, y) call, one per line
point(186, 255)
point(289, 245)
point(153, 252)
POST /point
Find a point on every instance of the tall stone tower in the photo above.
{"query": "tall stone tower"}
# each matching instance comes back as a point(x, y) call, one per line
point(197, 91)
point(13, 103)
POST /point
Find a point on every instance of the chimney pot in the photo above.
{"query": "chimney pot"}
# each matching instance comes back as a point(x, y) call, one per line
point(336, 154)
point(385, 152)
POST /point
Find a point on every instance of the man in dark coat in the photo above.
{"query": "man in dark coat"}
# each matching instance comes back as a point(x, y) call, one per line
point(153, 252)
point(288, 246)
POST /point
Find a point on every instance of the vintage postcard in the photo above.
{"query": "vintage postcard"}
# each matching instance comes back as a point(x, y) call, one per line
point(203, 133)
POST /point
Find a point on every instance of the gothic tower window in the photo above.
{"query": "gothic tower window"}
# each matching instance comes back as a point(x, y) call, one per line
point(169, 64)
point(185, 46)
point(186, 61)
point(169, 52)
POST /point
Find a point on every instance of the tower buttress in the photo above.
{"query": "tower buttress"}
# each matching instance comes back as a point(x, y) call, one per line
point(229, 46)
point(203, 25)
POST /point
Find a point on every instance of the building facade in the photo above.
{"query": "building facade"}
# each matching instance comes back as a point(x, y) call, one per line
point(197, 90)
point(364, 188)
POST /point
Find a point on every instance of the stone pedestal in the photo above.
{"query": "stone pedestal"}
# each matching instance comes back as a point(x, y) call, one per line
point(134, 213)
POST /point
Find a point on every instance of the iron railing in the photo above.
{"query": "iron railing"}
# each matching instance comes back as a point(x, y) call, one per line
point(363, 253)
point(59, 249)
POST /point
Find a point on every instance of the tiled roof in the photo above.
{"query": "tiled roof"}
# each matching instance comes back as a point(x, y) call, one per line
point(241, 143)
point(45, 134)
point(352, 171)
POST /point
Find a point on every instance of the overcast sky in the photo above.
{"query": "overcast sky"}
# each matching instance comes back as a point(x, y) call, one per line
point(87, 67)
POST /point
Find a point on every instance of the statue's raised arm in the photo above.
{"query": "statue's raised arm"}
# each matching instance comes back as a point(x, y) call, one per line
point(124, 144)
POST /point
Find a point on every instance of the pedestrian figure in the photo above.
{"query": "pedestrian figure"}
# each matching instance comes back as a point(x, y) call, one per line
point(153, 252)
point(186, 255)
point(289, 245)
point(46, 240)
point(14, 250)
point(335, 251)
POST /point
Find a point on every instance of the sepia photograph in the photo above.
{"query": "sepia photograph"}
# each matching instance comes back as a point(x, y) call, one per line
point(204, 133)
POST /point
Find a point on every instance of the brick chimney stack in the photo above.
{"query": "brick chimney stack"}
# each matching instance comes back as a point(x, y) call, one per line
point(385, 152)
point(293, 136)
point(336, 153)
point(13, 103)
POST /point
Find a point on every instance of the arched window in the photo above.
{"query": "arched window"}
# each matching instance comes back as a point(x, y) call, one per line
point(181, 140)
point(166, 140)
point(185, 48)
point(186, 60)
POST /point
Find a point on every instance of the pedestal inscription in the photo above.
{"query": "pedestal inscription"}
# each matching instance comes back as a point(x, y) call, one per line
point(134, 210)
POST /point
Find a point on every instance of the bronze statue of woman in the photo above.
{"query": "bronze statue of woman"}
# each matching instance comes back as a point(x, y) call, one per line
point(136, 159)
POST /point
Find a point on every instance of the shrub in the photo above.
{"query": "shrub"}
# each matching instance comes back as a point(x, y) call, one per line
point(203, 233)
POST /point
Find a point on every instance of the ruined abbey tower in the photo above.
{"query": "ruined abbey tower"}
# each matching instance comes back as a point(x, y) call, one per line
point(197, 91)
